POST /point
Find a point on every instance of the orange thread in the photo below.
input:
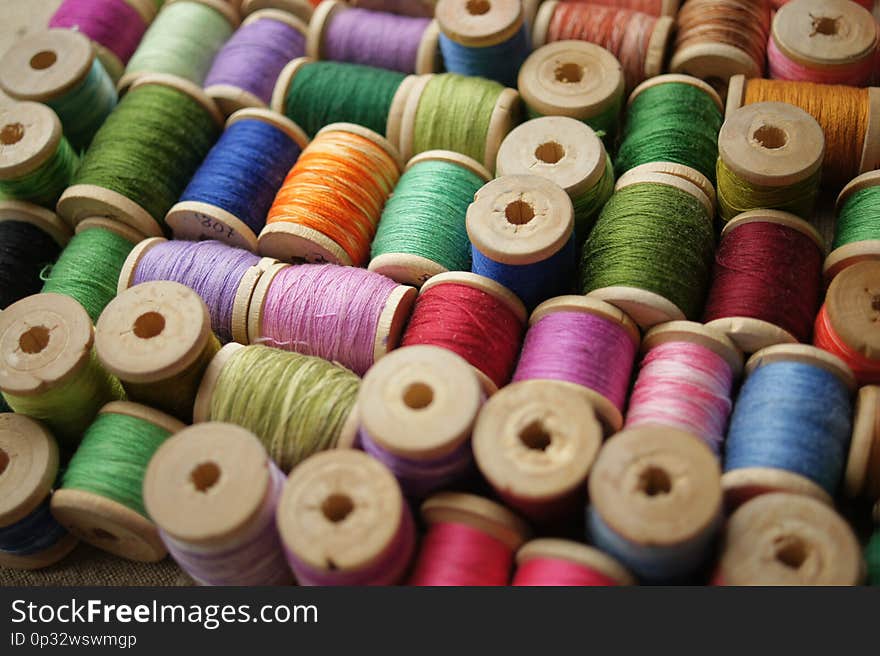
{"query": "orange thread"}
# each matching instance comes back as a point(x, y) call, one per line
point(867, 371)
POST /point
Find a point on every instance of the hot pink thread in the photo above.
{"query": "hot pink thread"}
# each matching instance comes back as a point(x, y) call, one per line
point(555, 572)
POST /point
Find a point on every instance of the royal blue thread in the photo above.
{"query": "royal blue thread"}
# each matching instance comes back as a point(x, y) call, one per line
point(32, 534)
point(500, 62)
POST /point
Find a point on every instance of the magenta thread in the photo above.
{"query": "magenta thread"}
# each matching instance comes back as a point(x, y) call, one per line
point(780, 67)
point(114, 24)
point(374, 38)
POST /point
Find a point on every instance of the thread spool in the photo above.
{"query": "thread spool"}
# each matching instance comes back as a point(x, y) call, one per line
point(638, 40)
point(213, 492)
point(30, 238)
point(467, 115)
point(47, 368)
point(535, 443)
point(856, 234)
point(302, 9)
point(407, 44)
point(848, 116)
point(329, 205)
point(296, 404)
point(343, 521)
point(769, 157)
point(230, 194)
point(717, 40)
point(246, 68)
point(36, 161)
point(30, 538)
point(586, 342)
point(567, 153)
point(786, 539)
point(417, 411)
point(827, 41)
point(422, 231)
point(522, 231)
point(862, 476)
point(168, 45)
point(475, 318)
point(656, 502)
point(791, 436)
point(59, 68)
point(650, 253)
point(686, 381)
point(135, 174)
point(470, 541)
point(550, 561)
point(100, 499)
point(847, 323)
point(423, 8)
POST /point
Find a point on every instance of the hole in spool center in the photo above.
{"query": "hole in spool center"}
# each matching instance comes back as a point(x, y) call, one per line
point(535, 436)
point(418, 396)
point(519, 212)
point(791, 551)
point(875, 303)
point(655, 482)
point(770, 137)
point(34, 340)
point(825, 25)
point(11, 133)
point(337, 507)
point(103, 536)
point(569, 73)
point(43, 60)
point(205, 476)
point(550, 152)
point(149, 325)
point(4, 461)
point(478, 7)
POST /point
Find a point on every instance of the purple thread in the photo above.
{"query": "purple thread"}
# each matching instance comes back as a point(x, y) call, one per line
point(114, 24)
point(211, 269)
point(374, 38)
point(255, 55)
point(580, 348)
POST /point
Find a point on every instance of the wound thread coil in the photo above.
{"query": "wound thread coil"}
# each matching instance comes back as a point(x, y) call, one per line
point(551, 561)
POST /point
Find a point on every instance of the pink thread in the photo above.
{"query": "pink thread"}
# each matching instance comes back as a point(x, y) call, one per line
point(856, 74)
point(374, 38)
point(555, 572)
point(580, 348)
point(112, 23)
point(458, 554)
point(650, 7)
point(326, 310)
point(684, 385)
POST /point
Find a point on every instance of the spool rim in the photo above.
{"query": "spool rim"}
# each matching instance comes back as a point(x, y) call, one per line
point(682, 171)
point(500, 23)
point(33, 461)
point(285, 241)
point(39, 84)
point(577, 553)
point(487, 285)
point(862, 476)
point(83, 201)
point(696, 333)
point(273, 118)
point(282, 84)
point(805, 354)
point(777, 217)
point(852, 303)
point(302, 9)
point(428, 58)
point(288, 18)
point(322, 15)
point(205, 394)
point(39, 135)
point(676, 78)
point(478, 512)
point(366, 133)
point(129, 234)
point(129, 267)
point(451, 157)
point(752, 335)
point(393, 320)
point(645, 307)
point(181, 85)
point(845, 256)
point(186, 220)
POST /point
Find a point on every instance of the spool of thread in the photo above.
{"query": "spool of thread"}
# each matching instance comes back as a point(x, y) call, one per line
point(182, 41)
point(553, 562)
point(847, 323)
point(767, 280)
point(423, 8)
point(223, 276)
point(422, 231)
point(341, 33)
point(521, 229)
point(213, 492)
point(245, 70)
point(329, 205)
point(656, 502)
point(826, 41)
point(60, 68)
point(638, 40)
point(848, 117)
point(862, 476)
point(787, 539)
point(47, 368)
point(342, 314)
point(468, 115)
point(344, 521)
point(30, 239)
point(30, 538)
point(473, 317)
point(650, 253)
point(535, 443)
point(317, 94)
point(470, 541)
point(230, 194)
point(36, 161)
point(791, 426)
point(672, 118)
point(857, 231)
point(769, 157)
point(567, 153)
point(143, 155)
point(586, 342)
point(296, 404)
point(100, 499)
point(417, 411)
point(156, 338)
point(686, 381)
point(717, 40)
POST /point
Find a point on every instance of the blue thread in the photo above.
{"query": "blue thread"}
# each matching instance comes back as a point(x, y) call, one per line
point(33, 534)
point(244, 171)
point(500, 62)
point(83, 110)
point(792, 416)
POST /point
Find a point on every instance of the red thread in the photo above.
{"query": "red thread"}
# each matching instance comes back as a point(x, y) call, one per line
point(867, 372)
point(458, 554)
point(551, 571)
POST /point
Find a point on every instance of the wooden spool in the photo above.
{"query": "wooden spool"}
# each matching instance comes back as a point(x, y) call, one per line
point(696, 333)
point(30, 134)
point(576, 553)
point(478, 513)
point(479, 23)
point(39, 217)
point(859, 251)
point(28, 468)
point(853, 307)
point(682, 171)
point(862, 478)
point(302, 9)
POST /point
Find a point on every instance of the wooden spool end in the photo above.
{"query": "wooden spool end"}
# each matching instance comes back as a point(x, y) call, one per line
point(146, 8)
point(29, 458)
point(322, 16)
point(853, 307)
point(130, 266)
point(871, 147)
point(406, 105)
point(479, 513)
point(862, 477)
point(196, 221)
point(536, 441)
point(46, 65)
point(302, 9)
point(713, 61)
point(736, 94)
point(39, 217)
point(696, 333)
point(202, 405)
point(541, 22)
point(428, 57)
point(84, 201)
point(479, 23)
point(785, 539)
point(259, 279)
point(30, 134)
point(183, 86)
point(577, 553)
point(658, 46)
point(505, 116)
point(848, 254)
point(679, 171)
point(393, 320)
point(397, 111)
point(120, 229)
point(284, 81)
point(742, 485)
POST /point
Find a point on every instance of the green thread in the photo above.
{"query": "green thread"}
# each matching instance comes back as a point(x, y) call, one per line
point(736, 195)
point(88, 269)
point(605, 124)
point(3, 406)
point(588, 204)
point(45, 184)
point(296, 404)
point(84, 109)
point(113, 457)
point(872, 557)
point(652, 237)
point(454, 114)
point(859, 218)
point(149, 147)
point(322, 93)
point(671, 122)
